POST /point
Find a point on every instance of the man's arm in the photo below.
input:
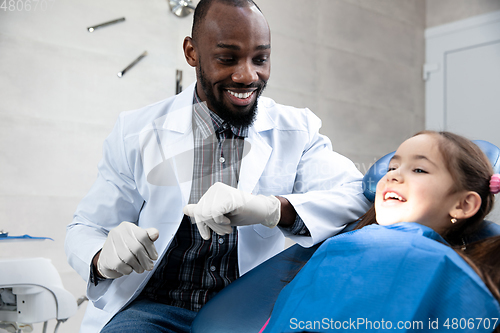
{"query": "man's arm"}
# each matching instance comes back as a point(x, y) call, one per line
point(327, 195)
point(112, 199)
point(330, 194)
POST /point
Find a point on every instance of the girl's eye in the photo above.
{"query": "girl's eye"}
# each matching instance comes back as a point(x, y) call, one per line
point(418, 170)
point(391, 169)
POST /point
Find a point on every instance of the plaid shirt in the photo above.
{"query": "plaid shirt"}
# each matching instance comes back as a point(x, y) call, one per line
point(193, 270)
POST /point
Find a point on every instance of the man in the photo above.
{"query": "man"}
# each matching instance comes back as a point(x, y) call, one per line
point(203, 178)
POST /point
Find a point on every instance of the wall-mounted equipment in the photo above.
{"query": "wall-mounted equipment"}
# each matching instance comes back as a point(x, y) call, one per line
point(120, 74)
point(178, 81)
point(181, 8)
point(94, 27)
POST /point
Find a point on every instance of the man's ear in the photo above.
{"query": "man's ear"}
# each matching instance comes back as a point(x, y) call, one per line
point(467, 205)
point(190, 52)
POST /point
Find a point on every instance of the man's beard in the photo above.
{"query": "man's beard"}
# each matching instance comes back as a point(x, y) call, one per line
point(235, 118)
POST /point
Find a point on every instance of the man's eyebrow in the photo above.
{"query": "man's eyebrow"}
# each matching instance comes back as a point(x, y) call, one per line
point(228, 46)
point(263, 47)
point(237, 48)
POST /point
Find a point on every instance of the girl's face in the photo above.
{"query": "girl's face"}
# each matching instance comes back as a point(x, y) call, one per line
point(417, 186)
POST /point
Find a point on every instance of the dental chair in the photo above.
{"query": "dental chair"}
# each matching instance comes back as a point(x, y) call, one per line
point(246, 304)
point(31, 291)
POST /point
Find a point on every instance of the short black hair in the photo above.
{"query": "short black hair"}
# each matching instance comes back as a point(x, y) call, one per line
point(204, 5)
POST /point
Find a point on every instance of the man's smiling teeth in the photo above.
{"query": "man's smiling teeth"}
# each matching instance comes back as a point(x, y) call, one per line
point(241, 95)
point(392, 195)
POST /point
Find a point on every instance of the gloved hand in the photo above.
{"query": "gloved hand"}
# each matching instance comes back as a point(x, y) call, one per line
point(223, 206)
point(127, 248)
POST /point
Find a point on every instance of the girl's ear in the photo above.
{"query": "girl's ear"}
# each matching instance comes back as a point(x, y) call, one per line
point(467, 205)
point(190, 52)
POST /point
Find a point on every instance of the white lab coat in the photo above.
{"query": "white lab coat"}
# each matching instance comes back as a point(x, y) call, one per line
point(138, 181)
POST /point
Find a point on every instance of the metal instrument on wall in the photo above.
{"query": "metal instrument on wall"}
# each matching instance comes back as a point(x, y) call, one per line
point(178, 81)
point(181, 8)
point(120, 74)
point(94, 27)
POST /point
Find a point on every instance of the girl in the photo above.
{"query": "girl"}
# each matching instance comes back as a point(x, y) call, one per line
point(407, 268)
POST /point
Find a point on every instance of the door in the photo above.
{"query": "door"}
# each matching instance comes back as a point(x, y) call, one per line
point(472, 92)
point(462, 75)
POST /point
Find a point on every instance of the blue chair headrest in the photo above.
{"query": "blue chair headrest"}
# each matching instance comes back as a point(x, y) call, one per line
point(492, 152)
point(379, 169)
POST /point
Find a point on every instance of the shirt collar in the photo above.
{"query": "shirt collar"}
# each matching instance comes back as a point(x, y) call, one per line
point(209, 122)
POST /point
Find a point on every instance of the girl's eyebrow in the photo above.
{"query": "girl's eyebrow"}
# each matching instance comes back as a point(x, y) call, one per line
point(423, 157)
point(413, 157)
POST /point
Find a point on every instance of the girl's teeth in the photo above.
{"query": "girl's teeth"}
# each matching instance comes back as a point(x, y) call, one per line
point(392, 195)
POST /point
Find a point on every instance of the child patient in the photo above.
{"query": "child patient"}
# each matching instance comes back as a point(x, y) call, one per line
point(407, 267)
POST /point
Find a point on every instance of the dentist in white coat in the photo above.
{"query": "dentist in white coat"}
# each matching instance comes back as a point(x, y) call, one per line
point(124, 226)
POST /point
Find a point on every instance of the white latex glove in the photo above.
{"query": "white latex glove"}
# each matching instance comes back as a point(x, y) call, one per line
point(223, 206)
point(127, 248)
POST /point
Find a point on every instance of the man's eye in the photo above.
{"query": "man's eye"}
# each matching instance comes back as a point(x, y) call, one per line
point(261, 60)
point(226, 60)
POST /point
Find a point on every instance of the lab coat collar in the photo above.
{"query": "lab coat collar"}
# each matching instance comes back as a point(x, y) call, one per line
point(263, 121)
point(256, 153)
point(179, 117)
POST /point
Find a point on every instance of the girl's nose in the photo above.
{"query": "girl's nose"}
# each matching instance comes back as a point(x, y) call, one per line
point(394, 176)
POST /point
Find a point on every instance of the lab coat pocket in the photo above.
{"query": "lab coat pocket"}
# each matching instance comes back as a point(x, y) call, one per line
point(276, 184)
point(264, 231)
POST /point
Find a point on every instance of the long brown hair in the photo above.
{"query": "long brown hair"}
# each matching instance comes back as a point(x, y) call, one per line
point(471, 170)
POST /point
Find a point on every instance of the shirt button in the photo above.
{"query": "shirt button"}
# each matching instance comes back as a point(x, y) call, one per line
point(222, 160)
point(212, 268)
point(221, 240)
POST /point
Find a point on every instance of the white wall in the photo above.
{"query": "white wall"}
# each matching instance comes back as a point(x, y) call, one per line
point(355, 63)
point(60, 97)
point(445, 11)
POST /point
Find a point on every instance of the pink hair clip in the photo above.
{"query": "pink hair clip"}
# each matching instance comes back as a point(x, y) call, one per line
point(495, 184)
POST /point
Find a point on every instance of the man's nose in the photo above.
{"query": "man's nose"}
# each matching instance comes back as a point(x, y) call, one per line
point(245, 73)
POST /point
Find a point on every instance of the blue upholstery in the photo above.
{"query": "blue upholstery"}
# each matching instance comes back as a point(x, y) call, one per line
point(492, 152)
point(374, 174)
point(246, 304)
